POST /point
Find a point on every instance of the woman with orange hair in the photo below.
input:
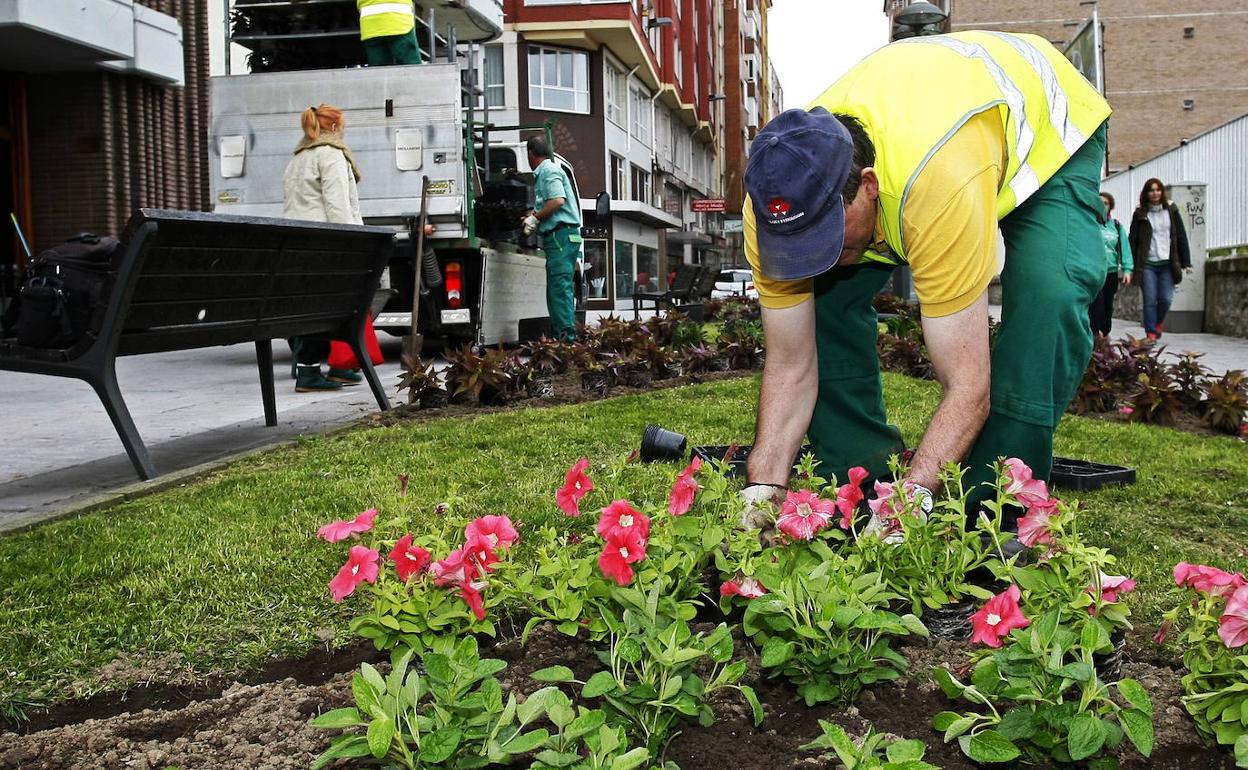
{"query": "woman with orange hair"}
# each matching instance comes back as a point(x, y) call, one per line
point(320, 185)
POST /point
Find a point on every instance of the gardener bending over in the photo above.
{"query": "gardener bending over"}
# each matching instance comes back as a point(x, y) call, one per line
point(915, 157)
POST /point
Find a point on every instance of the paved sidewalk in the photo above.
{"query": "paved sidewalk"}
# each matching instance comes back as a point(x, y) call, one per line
point(201, 407)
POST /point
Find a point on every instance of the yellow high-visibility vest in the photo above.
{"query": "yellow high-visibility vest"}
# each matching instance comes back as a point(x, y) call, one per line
point(385, 18)
point(912, 95)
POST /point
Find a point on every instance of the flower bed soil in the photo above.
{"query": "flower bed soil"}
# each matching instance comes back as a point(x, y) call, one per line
point(567, 391)
point(262, 725)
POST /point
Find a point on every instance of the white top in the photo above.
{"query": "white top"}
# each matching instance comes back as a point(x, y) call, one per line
point(1159, 248)
point(319, 186)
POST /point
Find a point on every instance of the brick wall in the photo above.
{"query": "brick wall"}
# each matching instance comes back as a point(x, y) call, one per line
point(1150, 66)
point(102, 144)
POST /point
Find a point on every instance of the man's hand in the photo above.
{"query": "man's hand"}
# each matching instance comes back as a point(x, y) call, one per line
point(530, 224)
point(757, 501)
point(1126, 279)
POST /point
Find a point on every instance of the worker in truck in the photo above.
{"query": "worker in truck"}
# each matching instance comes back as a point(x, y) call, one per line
point(916, 156)
point(556, 216)
point(388, 32)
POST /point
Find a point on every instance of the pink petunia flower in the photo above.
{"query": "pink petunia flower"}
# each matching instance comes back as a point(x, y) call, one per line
point(1034, 528)
point(621, 551)
point(409, 559)
point(456, 569)
point(361, 567)
point(575, 486)
point(849, 496)
point(680, 499)
point(1126, 410)
point(1233, 625)
point(1111, 587)
point(623, 520)
point(1026, 490)
point(471, 594)
point(803, 514)
point(1208, 580)
point(343, 529)
point(482, 556)
point(496, 531)
point(998, 617)
point(747, 587)
point(1163, 632)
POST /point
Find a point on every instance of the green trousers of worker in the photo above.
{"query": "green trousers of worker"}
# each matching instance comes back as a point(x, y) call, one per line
point(562, 246)
point(1054, 267)
point(392, 49)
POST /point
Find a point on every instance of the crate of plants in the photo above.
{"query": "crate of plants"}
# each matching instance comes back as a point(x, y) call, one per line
point(1084, 475)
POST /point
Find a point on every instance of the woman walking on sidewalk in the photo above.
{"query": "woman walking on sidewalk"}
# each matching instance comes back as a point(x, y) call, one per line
point(1159, 244)
point(1118, 263)
point(320, 185)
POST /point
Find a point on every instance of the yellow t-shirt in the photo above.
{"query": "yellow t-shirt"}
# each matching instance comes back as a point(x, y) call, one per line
point(950, 222)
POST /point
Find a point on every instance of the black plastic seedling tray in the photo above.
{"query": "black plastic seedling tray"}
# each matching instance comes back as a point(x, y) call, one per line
point(1083, 476)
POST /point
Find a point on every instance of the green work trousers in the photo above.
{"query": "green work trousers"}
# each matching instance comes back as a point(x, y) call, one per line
point(1054, 266)
point(562, 246)
point(392, 49)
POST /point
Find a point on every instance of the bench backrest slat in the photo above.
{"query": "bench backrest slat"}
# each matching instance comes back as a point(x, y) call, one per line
point(197, 279)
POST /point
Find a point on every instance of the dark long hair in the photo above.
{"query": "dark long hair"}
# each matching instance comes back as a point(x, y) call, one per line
point(1165, 199)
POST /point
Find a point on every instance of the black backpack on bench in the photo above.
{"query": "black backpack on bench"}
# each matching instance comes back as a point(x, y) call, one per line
point(63, 287)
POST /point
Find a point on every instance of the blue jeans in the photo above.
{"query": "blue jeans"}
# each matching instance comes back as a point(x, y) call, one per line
point(1158, 285)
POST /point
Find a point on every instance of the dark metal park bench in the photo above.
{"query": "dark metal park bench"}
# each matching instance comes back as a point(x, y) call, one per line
point(682, 284)
point(184, 280)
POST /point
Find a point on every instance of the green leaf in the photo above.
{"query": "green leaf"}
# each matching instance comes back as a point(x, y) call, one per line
point(1093, 637)
point(439, 745)
point(755, 705)
point(589, 721)
point(1139, 728)
point(373, 678)
point(905, 751)
point(338, 718)
point(1136, 695)
point(1087, 736)
point(536, 704)
point(353, 747)
point(1078, 671)
point(951, 687)
point(1241, 751)
point(776, 651)
point(633, 759)
point(438, 667)
point(599, 684)
point(525, 743)
point(988, 746)
point(380, 734)
point(552, 758)
point(671, 687)
point(1019, 723)
point(914, 625)
point(961, 725)
point(941, 721)
point(554, 674)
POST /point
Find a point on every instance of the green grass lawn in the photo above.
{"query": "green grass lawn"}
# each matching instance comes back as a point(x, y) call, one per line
point(226, 572)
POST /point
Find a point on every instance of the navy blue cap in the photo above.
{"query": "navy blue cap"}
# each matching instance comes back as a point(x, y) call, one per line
point(798, 164)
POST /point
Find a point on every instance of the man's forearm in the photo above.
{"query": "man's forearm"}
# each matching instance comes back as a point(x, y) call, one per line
point(785, 403)
point(950, 436)
point(549, 209)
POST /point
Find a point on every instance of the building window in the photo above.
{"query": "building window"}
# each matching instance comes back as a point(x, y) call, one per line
point(663, 134)
point(647, 269)
point(616, 95)
point(619, 179)
point(558, 80)
point(639, 109)
point(623, 269)
point(596, 269)
point(679, 63)
point(641, 185)
point(494, 83)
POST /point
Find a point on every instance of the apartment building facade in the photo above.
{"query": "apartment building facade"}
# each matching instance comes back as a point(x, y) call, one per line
point(1172, 70)
point(103, 108)
point(631, 86)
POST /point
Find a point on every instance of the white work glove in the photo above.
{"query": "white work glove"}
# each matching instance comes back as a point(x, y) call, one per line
point(756, 504)
point(530, 224)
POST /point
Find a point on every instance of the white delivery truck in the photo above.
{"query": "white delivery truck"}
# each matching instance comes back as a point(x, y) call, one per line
point(411, 128)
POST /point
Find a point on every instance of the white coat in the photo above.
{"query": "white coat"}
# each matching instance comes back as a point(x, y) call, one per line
point(319, 185)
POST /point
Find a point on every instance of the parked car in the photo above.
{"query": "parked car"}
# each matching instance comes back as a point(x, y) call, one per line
point(735, 282)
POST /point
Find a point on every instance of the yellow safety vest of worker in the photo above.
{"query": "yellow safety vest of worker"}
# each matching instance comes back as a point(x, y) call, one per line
point(385, 18)
point(913, 95)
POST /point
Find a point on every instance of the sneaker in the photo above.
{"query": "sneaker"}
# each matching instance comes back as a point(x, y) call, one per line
point(345, 376)
point(310, 380)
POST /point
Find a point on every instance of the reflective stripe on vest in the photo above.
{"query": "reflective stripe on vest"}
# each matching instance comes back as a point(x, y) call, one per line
point(913, 95)
point(377, 10)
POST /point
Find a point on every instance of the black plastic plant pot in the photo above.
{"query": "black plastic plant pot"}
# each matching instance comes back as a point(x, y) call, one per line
point(661, 444)
point(434, 398)
point(540, 387)
point(492, 396)
point(1084, 476)
point(673, 370)
point(736, 467)
point(1109, 665)
point(639, 378)
point(951, 622)
point(597, 383)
